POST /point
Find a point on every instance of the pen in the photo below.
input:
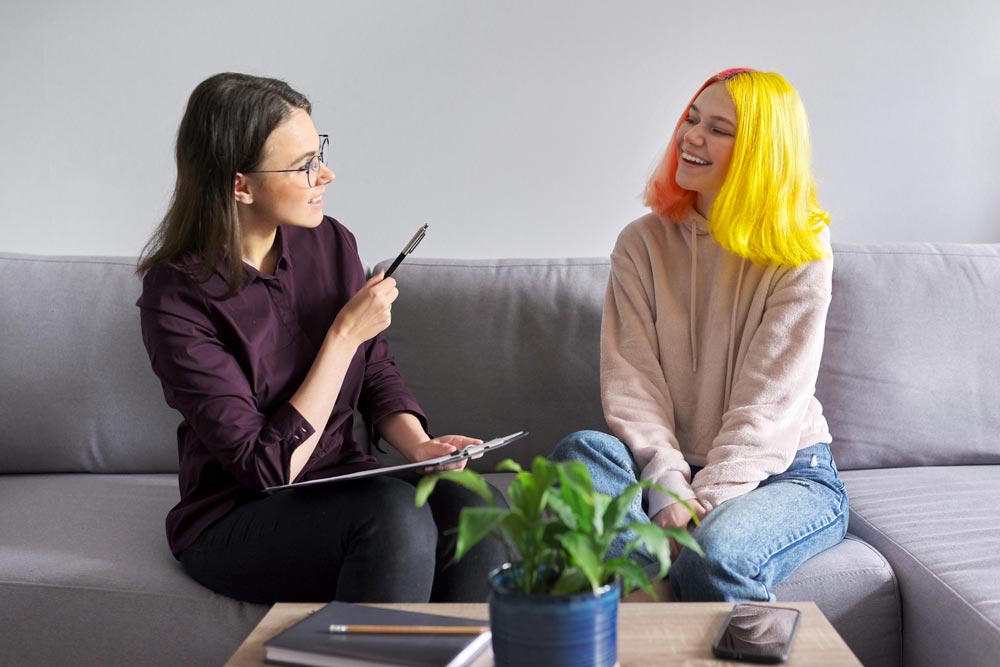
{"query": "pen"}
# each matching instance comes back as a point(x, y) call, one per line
point(410, 629)
point(417, 238)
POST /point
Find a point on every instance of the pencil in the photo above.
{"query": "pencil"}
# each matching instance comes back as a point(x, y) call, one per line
point(410, 629)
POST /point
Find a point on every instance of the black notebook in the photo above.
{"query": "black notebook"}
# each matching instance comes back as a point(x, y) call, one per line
point(310, 642)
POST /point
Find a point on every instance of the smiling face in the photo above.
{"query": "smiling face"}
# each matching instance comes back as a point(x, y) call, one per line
point(285, 198)
point(704, 143)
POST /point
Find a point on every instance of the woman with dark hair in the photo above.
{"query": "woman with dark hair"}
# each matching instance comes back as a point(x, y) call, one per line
point(711, 342)
point(266, 337)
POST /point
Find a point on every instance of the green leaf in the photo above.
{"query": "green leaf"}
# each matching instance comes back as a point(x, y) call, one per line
point(542, 468)
point(472, 481)
point(572, 580)
point(618, 509)
point(527, 537)
point(548, 536)
point(562, 510)
point(474, 524)
point(516, 528)
point(576, 474)
point(508, 465)
point(601, 502)
point(632, 575)
point(577, 491)
point(544, 474)
point(469, 479)
point(684, 538)
point(656, 540)
point(424, 488)
point(516, 495)
point(528, 495)
point(584, 556)
point(528, 492)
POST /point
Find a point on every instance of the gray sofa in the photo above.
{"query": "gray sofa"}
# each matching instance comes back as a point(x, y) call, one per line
point(909, 381)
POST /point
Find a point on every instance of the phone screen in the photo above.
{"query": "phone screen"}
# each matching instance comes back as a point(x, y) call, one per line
point(757, 633)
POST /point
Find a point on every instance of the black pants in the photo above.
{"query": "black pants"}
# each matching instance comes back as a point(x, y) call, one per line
point(357, 541)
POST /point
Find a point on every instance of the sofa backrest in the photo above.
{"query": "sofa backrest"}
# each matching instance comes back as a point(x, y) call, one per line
point(490, 347)
point(76, 390)
point(910, 373)
point(911, 366)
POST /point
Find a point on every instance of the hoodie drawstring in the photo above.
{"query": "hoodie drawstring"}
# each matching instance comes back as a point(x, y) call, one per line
point(692, 326)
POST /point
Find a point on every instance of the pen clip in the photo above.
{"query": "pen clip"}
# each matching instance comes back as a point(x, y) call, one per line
point(417, 238)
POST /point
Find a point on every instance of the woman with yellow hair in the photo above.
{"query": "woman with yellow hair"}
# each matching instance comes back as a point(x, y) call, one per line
point(711, 344)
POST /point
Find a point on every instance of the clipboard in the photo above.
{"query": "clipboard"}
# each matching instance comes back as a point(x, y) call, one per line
point(472, 451)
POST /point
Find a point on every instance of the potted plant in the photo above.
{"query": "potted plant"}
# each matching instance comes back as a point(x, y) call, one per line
point(556, 601)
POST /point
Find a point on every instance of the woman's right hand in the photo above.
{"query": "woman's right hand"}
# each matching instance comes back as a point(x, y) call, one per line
point(368, 313)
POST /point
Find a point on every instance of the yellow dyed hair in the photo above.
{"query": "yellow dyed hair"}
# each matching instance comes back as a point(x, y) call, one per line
point(767, 209)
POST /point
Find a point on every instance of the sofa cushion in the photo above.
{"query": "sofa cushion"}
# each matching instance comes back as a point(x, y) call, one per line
point(78, 391)
point(909, 371)
point(856, 590)
point(85, 570)
point(939, 528)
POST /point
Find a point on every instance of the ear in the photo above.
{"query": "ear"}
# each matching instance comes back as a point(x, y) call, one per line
point(242, 189)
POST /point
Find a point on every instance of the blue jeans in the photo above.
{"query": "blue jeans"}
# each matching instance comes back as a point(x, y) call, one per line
point(752, 542)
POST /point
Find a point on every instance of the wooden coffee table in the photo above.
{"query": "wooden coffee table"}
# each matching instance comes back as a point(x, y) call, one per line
point(649, 633)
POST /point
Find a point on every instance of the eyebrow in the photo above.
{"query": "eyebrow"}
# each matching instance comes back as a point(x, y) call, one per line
point(302, 157)
point(723, 118)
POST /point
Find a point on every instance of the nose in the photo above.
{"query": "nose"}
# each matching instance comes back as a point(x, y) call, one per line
point(694, 135)
point(326, 174)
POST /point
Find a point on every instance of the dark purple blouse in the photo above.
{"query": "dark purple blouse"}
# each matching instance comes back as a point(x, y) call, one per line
point(230, 367)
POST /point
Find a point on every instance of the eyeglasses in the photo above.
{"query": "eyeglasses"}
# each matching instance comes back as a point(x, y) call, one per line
point(311, 168)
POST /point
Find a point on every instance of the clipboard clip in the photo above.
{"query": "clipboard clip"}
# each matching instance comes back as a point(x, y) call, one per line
point(473, 451)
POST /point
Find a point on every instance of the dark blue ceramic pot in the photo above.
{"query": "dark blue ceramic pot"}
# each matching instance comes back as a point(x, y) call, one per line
point(579, 630)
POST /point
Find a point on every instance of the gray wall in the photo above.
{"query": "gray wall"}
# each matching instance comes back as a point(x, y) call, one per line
point(514, 128)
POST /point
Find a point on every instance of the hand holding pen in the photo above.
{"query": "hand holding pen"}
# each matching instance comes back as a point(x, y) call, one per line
point(368, 313)
point(414, 242)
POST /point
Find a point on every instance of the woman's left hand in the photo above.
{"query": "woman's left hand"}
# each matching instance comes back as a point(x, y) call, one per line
point(446, 444)
point(676, 515)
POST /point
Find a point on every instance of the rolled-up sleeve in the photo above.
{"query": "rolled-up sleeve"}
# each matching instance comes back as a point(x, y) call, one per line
point(383, 391)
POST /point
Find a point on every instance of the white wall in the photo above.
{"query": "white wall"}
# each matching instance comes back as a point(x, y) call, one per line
point(514, 128)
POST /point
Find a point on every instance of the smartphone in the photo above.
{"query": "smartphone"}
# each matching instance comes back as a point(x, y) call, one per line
point(757, 633)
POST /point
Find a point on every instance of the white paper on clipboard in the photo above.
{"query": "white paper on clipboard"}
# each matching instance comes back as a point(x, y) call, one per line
point(472, 451)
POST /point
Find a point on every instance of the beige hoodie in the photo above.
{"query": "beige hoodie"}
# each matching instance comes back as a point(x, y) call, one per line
point(710, 360)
